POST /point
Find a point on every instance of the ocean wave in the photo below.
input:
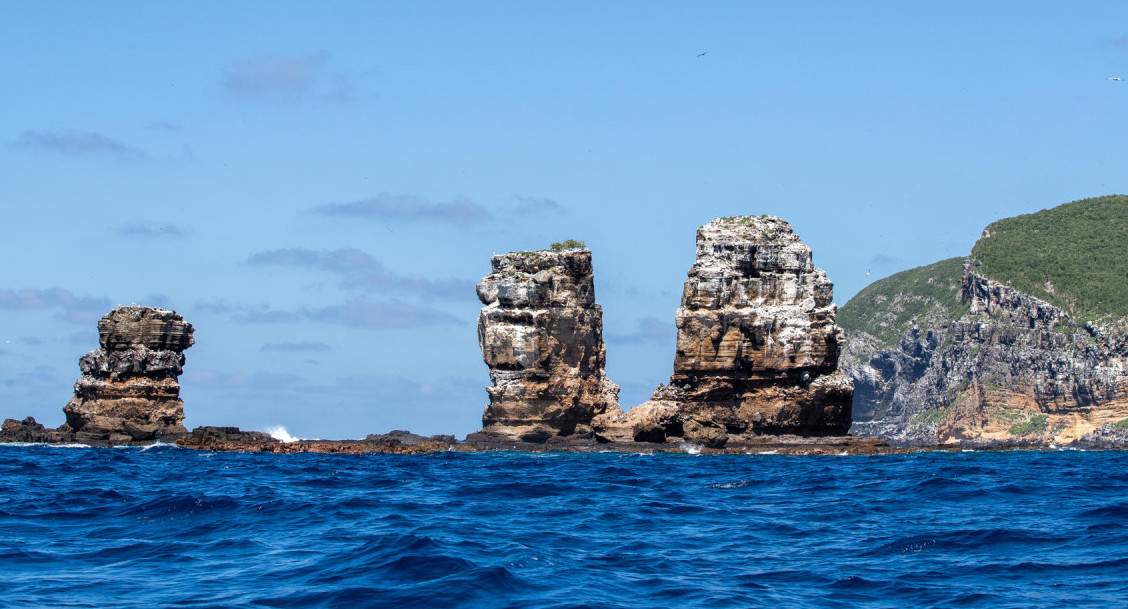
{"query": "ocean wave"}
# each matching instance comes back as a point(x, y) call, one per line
point(172, 527)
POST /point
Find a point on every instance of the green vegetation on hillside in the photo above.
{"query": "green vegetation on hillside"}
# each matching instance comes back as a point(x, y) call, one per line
point(889, 307)
point(1074, 256)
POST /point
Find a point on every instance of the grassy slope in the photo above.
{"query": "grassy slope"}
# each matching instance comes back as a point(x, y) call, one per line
point(1081, 248)
point(889, 307)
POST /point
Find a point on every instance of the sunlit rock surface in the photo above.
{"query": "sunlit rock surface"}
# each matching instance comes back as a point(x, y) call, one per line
point(541, 334)
point(129, 391)
point(757, 347)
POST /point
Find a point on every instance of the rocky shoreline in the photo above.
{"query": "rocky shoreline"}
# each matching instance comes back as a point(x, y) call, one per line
point(232, 439)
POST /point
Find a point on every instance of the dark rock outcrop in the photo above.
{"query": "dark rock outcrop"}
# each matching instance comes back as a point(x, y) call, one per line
point(1012, 370)
point(541, 334)
point(129, 391)
point(237, 440)
point(29, 430)
point(757, 347)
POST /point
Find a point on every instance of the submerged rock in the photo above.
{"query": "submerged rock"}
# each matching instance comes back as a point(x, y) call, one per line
point(541, 334)
point(757, 346)
point(129, 390)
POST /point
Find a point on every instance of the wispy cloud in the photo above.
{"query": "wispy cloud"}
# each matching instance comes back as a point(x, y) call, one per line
point(647, 330)
point(287, 77)
point(366, 386)
point(71, 308)
point(164, 126)
point(536, 206)
point(85, 337)
point(149, 230)
point(381, 314)
point(75, 143)
point(357, 313)
point(359, 270)
point(300, 346)
point(239, 380)
point(407, 208)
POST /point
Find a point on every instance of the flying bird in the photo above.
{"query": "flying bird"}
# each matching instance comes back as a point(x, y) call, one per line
point(703, 54)
point(1114, 78)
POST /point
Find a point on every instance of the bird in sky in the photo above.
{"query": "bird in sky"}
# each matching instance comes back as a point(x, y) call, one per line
point(703, 54)
point(1114, 78)
point(867, 273)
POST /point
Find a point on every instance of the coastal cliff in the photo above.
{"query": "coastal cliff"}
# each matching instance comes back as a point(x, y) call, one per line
point(946, 354)
point(757, 344)
point(541, 334)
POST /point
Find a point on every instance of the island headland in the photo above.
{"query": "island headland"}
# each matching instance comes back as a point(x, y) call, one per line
point(1021, 343)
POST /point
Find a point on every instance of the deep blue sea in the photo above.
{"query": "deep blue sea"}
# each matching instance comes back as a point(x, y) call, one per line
point(168, 527)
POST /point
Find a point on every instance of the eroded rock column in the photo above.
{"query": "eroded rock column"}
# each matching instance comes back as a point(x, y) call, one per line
point(129, 389)
point(541, 335)
point(757, 346)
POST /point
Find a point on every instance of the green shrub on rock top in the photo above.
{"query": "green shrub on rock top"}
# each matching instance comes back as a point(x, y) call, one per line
point(567, 244)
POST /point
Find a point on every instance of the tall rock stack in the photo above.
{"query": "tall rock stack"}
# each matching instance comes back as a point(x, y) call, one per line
point(541, 335)
point(757, 346)
point(129, 390)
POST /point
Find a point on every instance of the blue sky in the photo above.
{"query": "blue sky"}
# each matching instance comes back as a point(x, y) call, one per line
point(317, 187)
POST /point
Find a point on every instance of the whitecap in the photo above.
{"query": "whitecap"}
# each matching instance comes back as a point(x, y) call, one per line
point(691, 449)
point(279, 433)
point(737, 484)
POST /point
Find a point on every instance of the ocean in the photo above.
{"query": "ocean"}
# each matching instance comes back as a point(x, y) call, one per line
point(169, 527)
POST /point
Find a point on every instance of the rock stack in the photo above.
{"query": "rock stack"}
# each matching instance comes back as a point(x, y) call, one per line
point(129, 390)
point(757, 346)
point(541, 335)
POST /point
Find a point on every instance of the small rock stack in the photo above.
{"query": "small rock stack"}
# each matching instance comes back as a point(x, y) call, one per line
point(129, 390)
point(541, 335)
point(757, 347)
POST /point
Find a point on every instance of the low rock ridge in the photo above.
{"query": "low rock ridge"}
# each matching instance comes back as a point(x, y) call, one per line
point(233, 439)
point(1013, 370)
point(541, 334)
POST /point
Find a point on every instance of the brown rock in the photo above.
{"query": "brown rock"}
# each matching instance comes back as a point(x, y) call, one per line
point(541, 334)
point(128, 391)
point(29, 430)
point(757, 347)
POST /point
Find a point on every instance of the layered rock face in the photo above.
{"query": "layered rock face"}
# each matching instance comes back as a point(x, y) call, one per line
point(129, 390)
point(1013, 370)
point(541, 334)
point(757, 346)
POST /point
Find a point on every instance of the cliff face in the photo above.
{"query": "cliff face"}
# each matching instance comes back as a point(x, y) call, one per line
point(757, 346)
point(1013, 369)
point(541, 334)
point(129, 390)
